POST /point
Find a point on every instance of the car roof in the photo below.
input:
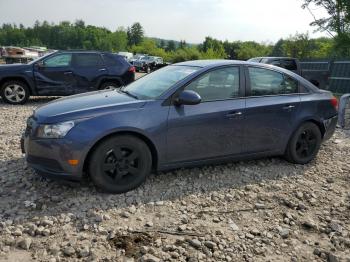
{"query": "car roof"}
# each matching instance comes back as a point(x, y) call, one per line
point(211, 63)
point(275, 57)
point(83, 51)
point(208, 64)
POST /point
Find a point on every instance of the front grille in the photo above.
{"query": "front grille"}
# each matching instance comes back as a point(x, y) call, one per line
point(138, 64)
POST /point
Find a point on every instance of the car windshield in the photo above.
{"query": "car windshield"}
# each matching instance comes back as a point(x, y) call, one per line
point(138, 57)
point(153, 85)
point(40, 58)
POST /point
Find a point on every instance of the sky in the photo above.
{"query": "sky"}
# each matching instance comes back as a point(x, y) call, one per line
point(190, 20)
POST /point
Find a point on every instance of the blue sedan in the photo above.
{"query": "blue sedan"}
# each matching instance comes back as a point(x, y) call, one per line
point(186, 114)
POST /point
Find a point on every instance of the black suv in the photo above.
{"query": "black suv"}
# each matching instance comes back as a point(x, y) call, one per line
point(148, 63)
point(64, 73)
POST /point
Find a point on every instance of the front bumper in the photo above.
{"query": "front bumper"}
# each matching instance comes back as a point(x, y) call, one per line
point(49, 158)
point(141, 67)
point(330, 125)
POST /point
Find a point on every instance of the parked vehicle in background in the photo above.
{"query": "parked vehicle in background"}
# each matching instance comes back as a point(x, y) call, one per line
point(149, 63)
point(13, 54)
point(136, 57)
point(187, 114)
point(127, 55)
point(64, 73)
point(319, 78)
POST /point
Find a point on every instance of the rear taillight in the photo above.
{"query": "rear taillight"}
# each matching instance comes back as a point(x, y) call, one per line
point(132, 69)
point(334, 102)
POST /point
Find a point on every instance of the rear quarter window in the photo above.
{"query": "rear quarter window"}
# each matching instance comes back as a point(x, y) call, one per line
point(112, 60)
point(88, 60)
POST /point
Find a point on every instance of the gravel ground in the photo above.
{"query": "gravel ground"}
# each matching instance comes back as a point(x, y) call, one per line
point(262, 210)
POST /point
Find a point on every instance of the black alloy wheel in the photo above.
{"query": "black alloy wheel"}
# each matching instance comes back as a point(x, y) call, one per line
point(304, 144)
point(120, 164)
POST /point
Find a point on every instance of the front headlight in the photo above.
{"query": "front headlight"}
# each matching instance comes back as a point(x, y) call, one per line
point(58, 130)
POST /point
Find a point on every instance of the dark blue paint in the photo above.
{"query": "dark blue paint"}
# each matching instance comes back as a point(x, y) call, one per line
point(181, 135)
point(68, 80)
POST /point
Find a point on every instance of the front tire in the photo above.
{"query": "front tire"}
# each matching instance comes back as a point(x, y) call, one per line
point(120, 164)
point(15, 92)
point(304, 144)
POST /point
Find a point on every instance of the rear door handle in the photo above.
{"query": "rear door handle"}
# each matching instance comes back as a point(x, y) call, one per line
point(289, 107)
point(234, 114)
point(68, 73)
point(102, 69)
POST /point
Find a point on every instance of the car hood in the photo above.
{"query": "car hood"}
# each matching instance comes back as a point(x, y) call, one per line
point(13, 67)
point(85, 106)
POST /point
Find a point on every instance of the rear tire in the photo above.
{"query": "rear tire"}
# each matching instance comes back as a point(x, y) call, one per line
point(109, 85)
point(120, 164)
point(15, 92)
point(304, 144)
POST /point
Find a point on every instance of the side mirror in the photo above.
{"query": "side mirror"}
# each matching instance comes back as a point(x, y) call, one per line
point(40, 64)
point(188, 97)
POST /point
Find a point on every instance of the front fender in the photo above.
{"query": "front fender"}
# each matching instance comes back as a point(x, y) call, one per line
point(22, 77)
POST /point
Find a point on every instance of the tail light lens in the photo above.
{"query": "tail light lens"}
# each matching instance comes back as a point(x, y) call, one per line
point(132, 69)
point(334, 102)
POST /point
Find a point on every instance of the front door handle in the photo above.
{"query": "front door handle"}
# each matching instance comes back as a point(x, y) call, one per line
point(289, 107)
point(234, 114)
point(68, 73)
point(102, 69)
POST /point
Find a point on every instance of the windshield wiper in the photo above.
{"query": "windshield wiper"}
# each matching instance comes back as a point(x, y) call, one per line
point(128, 93)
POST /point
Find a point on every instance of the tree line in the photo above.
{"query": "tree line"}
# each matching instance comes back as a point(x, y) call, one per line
point(66, 35)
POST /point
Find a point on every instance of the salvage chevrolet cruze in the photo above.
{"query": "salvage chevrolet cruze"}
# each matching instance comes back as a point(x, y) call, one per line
point(191, 113)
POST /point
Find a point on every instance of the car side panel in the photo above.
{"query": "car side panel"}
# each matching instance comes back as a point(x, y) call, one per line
point(268, 122)
point(316, 107)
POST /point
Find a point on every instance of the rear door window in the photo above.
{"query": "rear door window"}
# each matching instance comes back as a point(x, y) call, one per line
point(267, 82)
point(88, 60)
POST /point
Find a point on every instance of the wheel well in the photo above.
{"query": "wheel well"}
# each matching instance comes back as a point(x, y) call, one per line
point(21, 79)
point(317, 123)
point(148, 142)
point(320, 126)
point(116, 81)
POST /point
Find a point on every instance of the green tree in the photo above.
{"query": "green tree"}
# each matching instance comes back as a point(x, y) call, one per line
point(336, 23)
point(299, 46)
point(278, 49)
point(213, 45)
point(135, 34)
point(251, 49)
point(231, 49)
point(162, 44)
point(171, 46)
point(182, 44)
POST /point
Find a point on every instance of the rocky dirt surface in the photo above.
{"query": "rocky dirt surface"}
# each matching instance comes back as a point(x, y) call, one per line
point(262, 210)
